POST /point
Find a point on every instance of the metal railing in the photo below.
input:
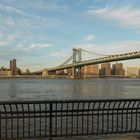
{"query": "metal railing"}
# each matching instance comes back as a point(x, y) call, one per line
point(36, 119)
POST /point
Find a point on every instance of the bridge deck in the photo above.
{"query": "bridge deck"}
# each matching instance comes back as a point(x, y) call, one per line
point(119, 57)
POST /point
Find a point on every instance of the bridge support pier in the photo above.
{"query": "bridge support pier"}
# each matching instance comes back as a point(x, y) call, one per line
point(77, 72)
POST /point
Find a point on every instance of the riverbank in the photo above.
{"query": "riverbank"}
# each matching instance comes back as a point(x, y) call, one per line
point(64, 77)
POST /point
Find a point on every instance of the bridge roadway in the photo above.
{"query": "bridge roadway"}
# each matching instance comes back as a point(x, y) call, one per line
point(112, 58)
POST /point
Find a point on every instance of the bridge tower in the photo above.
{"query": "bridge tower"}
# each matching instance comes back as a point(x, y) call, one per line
point(77, 57)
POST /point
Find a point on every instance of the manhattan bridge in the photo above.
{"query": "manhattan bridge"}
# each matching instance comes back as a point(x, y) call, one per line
point(75, 62)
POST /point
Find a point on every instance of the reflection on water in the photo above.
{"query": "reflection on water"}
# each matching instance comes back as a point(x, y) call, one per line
point(12, 90)
point(46, 89)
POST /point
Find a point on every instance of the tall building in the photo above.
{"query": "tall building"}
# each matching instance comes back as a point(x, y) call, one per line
point(132, 71)
point(117, 69)
point(91, 70)
point(13, 67)
point(105, 69)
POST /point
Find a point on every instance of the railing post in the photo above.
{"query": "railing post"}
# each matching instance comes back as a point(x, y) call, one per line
point(50, 125)
point(0, 124)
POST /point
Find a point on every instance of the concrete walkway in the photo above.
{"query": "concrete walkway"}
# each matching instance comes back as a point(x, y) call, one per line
point(115, 137)
point(98, 138)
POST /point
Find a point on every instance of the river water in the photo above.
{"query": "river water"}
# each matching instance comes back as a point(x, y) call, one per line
point(63, 89)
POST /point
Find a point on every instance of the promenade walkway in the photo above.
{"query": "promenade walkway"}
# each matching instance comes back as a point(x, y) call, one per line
point(99, 138)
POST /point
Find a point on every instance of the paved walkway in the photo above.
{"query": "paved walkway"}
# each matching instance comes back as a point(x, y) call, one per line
point(98, 138)
point(124, 137)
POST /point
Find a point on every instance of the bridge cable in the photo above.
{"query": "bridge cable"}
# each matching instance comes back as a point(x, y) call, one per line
point(68, 60)
point(95, 53)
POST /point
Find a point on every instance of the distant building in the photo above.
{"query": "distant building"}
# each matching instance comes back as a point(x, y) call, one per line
point(132, 71)
point(105, 69)
point(69, 71)
point(13, 67)
point(117, 69)
point(91, 70)
point(5, 72)
point(45, 72)
point(60, 72)
point(28, 71)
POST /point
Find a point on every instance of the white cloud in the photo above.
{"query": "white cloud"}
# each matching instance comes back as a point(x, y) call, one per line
point(110, 49)
point(7, 39)
point(113, 48)
point(13, 36)
point(3, 43)
point(40, 46)
point(125, 16)
point(21, 47)
point(51, 6)
point(14, 10)
point(24, 19)
point(89, 37)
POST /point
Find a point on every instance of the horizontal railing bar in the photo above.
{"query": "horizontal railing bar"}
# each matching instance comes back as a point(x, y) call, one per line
point(95, 134)
point(26, 137)
point(70, 115)
point(67, 101)
point(74, 110)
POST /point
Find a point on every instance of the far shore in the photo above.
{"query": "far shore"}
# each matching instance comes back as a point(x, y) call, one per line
point(65, 77)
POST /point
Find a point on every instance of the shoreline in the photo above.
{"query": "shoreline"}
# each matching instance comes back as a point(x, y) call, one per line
point(63, 77)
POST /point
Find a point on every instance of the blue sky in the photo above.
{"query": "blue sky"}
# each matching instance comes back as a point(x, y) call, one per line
point(42, 33)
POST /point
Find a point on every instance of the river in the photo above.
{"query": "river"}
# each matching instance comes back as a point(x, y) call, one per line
point(63, 89)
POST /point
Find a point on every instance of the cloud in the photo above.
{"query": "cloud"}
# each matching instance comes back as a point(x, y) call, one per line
point(40, 46)
point(13, 36)
point(24, 19)
point(89, 38)
point(98, 50)
point(113, 48)
point(125, 16)
point(51, 6)
point(7, 39)
point(3, 43)
point(21, 47)
point(11, 9)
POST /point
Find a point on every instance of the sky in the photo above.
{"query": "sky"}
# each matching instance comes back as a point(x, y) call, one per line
point(41, 33)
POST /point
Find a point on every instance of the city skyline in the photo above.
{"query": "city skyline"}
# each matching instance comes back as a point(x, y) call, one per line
point(87, 69)
point(41, 34)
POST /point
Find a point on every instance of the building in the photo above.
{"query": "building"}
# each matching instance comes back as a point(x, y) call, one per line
point(5, 72)
point(132, 71)
point(91, 70)
point(28, 71)
point(60, 72)
point(117, 69)
point(69, 71)
point(45, 72)
point(105, 69)
point(13, 67)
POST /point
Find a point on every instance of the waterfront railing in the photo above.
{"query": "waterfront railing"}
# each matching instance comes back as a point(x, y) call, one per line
point(48, 119)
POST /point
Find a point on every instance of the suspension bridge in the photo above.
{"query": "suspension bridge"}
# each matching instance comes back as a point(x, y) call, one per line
point(76, 64)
